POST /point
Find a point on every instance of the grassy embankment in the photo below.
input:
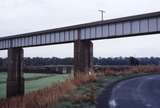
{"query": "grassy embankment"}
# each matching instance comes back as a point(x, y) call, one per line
point(85, 95)
point(76, 93)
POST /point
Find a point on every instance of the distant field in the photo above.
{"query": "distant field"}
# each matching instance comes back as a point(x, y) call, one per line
point(33, 81)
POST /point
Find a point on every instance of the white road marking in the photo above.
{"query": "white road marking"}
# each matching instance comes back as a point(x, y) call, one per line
point(118, 86)
point(150, 78)
point(112, 103)
point(148, 105)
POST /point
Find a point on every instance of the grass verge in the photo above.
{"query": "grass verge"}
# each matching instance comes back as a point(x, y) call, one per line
point(75, 93)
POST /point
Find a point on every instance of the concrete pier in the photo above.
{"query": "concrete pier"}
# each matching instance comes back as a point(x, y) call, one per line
point(83, 56)
point(15, 80)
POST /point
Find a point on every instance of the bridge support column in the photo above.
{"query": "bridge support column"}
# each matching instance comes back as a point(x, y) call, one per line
point(15, 80)
point(83, 57)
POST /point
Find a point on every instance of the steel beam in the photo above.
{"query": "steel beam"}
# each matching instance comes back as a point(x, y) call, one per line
point(136, 25)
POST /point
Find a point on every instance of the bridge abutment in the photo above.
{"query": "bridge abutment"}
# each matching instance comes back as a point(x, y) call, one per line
point(83, 57)
point(15, 80)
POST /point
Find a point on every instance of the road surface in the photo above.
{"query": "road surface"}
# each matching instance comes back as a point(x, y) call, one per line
point(140, 92)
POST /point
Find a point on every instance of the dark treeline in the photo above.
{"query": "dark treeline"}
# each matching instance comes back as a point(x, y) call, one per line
point(37, 61)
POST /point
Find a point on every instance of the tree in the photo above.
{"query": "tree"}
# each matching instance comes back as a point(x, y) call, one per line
point(133, 61)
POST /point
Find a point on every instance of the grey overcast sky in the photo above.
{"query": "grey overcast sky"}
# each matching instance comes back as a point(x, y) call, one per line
point(21, 16)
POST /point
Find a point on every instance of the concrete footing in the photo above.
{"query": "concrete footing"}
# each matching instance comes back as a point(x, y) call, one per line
point(15, 80)
point(83, 56)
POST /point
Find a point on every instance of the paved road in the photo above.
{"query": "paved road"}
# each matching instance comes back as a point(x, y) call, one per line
point(140, 92)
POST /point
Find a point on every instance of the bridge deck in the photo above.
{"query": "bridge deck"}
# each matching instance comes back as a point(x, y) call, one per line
point(114, 28)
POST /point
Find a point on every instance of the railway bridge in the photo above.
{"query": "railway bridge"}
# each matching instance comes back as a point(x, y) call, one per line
point(81, 35)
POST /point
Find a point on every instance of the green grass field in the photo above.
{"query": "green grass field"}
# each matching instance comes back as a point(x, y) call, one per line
point(33, 81)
